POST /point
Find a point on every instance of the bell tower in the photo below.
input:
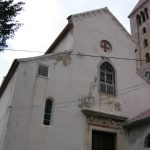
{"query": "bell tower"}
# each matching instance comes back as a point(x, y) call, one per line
point(140, 31)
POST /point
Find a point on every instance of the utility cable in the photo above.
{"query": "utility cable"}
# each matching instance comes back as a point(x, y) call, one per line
point(82, 55)
point(21, 50)
point(76, 100)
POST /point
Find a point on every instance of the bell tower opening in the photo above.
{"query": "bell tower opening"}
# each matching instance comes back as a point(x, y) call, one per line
point(140, 31)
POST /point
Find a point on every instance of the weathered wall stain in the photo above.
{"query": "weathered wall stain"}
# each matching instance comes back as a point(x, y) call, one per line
point(64, 58)
point(117, 106)
point(88, 100)
point(80, 55)
point(95, 80)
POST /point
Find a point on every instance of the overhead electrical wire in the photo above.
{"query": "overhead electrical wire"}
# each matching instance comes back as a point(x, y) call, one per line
point(136, 87)
point(21, 50)
point(82, 55)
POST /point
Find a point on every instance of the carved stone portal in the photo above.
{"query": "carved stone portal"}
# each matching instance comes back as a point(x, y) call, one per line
point(106, 123)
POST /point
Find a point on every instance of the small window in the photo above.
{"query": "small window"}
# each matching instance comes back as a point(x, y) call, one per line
point(144, 30)
point(147, 75)
point(43, 70)
point(143, 16)
point(107, 79)
point(48, 112)
point(138, 20)
point(146, 13)
point(135, 50)
point(147, 142)
point(145, 43)
point(147, 57)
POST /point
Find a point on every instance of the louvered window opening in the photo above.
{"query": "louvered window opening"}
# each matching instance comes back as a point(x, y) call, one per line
point(43, 71)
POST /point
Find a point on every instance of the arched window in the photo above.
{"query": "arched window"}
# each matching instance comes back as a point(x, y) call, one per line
point(147, 141)
point(144, 30)
point(138, 20)
point(143, 16)
point(48, 112)
point(146, 13)
point(147, 57)
point(107, 78)
point(145, 43)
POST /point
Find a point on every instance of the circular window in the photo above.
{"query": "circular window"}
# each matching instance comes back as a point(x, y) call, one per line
point(106, 46)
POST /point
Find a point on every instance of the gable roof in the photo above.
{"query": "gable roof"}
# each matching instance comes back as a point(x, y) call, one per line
point(70, 25)
point(138, 5)
point(145, 116)
point(122, 27)
point(105, 9)
point(60, 37)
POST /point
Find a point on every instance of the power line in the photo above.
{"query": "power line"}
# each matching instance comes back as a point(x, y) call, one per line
point(80, 54)
point(98, 56)
point(76, 100)
point(107, 97)
point(21, 50)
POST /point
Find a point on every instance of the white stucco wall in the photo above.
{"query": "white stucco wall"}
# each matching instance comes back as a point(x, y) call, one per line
point(88, 32)
point(5, 102)
point(66, 43)
point(26, 118)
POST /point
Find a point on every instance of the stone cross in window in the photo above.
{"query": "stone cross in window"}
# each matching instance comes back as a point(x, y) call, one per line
point(106, 46)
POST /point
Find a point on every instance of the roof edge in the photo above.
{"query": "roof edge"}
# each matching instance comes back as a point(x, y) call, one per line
point(124, 29)
point(44, 56)
point(88, 12)
point(131, 124)
point(133, 11)
point(9, 76)
point(59, 37)
point(104, 9)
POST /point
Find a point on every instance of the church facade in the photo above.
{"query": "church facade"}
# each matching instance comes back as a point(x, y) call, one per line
point(89, 91)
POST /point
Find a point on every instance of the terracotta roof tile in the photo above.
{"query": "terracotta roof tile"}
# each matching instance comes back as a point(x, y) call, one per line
point(139, 118)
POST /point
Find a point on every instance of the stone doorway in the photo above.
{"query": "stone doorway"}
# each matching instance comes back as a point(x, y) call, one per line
point(104, 131)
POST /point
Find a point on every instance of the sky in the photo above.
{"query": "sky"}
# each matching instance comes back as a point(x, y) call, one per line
point(44, 20)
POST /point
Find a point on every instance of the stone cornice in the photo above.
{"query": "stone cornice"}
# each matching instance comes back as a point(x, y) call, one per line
point(88, 112)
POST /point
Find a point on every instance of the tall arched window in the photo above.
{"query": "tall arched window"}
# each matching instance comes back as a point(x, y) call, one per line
point(146, 13)
point(147, 141)
point(138, 20)
point(144, 30)
point(143, 16)
point(145, 43)
point(147, 57)
point(48, 112)
point(107, 78)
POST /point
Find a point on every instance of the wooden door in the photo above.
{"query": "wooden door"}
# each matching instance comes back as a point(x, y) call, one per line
point(103, 140)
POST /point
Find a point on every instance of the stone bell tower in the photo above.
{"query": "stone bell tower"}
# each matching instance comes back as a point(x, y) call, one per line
point(140, 31)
